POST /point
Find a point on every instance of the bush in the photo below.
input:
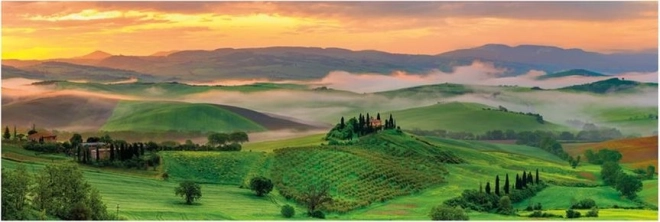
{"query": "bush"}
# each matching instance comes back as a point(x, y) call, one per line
point(261, 185)
point(570, 213)
point(584, 204)
point(444, 212)
point(288, 211)
point(538, 213)
point(318, 214)
point(593, 212)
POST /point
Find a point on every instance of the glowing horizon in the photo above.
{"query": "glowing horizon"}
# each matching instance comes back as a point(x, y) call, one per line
point(46, 30)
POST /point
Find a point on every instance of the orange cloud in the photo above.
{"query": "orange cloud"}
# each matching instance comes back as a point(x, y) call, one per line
point(40, 30)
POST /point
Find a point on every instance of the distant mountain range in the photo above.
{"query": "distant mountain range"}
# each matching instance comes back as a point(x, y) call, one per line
point(308, 63)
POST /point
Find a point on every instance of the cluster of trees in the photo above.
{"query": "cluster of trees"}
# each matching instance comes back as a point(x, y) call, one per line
point(547, 142)
point(613, 176)
point(444, 212)
point(647, 173)
point(499, 200)
point(538, 117)
point(602, 156)
point(227, 142)
point(16, 137)
point(360, 126)
point(58, 190)
point(509, 134)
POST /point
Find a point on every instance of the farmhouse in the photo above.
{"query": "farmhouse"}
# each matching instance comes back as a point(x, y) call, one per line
point(375, 123)
point(42, 136)
point(104, 151)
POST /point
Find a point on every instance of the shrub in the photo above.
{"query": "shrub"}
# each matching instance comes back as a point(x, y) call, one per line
point(505, 206)
point(288, 211)
point(570, 213)
point(593, 212)
point(538, 213)
point(538, 206)
point(318, 214)
point(444, 212)
point(584, 204)
point(261, 185)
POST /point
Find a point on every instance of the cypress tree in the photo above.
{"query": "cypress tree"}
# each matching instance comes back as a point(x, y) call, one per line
point(341, 123)
point(523, 179)
point(378, 116)
point(141, 149)
point(481, 188)
point(488, 187)
point(97, 154)
point(368, 123)
point(78, 151)
point(537, 175)
point(530, 178)
point(517, 182)
point(506, 184)
point(112, 152)
point(15, 133)
point(392, 126)
point(497, 185)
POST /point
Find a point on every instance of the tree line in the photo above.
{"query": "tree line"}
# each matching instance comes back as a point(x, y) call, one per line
point(536, 116)
point(598, 134)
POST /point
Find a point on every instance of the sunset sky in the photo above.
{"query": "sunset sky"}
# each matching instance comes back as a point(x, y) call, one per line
point(41, 30)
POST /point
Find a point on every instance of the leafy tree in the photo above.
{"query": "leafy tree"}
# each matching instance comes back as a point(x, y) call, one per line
point(288, 211)
point(593, 212)
point(628, 185)
point(586, 203)
point(105, 138)
point(62, 191)
point(238, 137)
point(216, 139)
point(20, 136)
point(609, 171)
point(316, 196)
point(189, 190)
point(650, 171)
point(15, 188)
point(93, 139)
point(570, 213)
point(261, 185)
point(6, 135)
point(444, 212)
point(505, 206)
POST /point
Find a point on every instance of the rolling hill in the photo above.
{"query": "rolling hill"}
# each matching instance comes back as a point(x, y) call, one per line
point(69, 71)
point(572, 72)
point(467, 117)
point(612, 85)
point(146, 116)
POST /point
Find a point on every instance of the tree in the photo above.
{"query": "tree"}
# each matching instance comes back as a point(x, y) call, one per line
point(628, 185)
point(105, 138)
point(261, 185)
point(316, 196)
point(650, 171)
point(15, 132)
point(497, 185)
point(523, 180)
point(20, 136)
point(609, 171)
point(341, 123)
point(6, 135)
point(62, 191)
point(216, 139)
point(505, 206)
point(238, 137)
point(488, 187)
point(530, 178)
point(506, 184)
point(518, 182)
point(33, 130)
point(15, 188)
point(444, 212)
point(537, 176)
point(481, 188)
point(93, 139)
point(288, 211)
point(112, 152)
point(76, 140)
point(189, 190)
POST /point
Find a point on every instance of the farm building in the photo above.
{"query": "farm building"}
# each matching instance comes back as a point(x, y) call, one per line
point(42, 136)
point(375, 122)
point(103, 149)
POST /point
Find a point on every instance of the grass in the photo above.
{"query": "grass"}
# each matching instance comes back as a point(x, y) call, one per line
point(166, 116)
point(228, 168)
point(269, 146)
point(467, 117)
point(559, 197)
point(608, 214)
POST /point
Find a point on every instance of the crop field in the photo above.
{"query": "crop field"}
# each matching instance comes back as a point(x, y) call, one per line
point(637, 152)
point(467, 117)
point(269, 146)
point(229, 168)
point(164, 116)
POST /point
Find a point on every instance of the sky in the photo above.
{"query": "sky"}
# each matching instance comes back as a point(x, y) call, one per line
point(43, 30)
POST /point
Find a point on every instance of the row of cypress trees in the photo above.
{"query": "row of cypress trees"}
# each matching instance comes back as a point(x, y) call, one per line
point(521, 183)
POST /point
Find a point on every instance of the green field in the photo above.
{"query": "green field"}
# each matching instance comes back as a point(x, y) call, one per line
point(269, 146)
point(401, 169)
point(166, 116)
point(467, 117)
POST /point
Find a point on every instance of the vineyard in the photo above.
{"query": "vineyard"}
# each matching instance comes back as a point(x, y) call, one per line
point(360, 175)
point(211, 167)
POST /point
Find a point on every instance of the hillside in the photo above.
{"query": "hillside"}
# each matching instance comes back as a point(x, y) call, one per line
point(572, 72)
point(445, 90)
point(13, 72)
point(637, 152)
point(165, 116)
point(467, 117)
point(65, 112)
point(69, 71)
point(612, 85)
